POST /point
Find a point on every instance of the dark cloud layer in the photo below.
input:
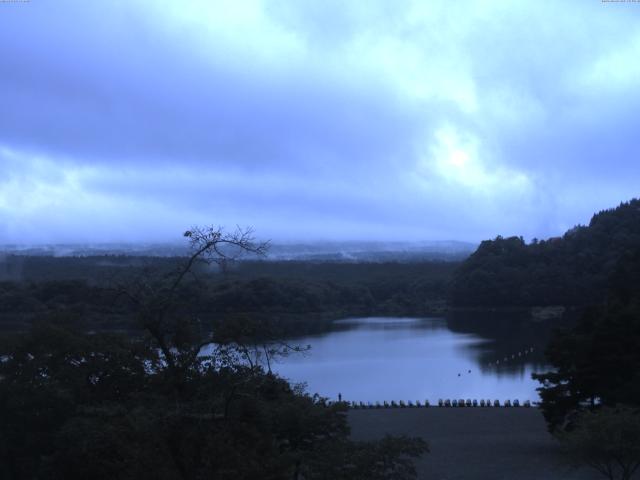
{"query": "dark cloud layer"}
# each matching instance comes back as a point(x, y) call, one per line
point(131, 120)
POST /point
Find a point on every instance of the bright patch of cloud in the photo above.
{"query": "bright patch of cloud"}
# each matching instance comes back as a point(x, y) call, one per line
point(458, 160)
point(617, 70)
point(47, 200)
point(332, 118)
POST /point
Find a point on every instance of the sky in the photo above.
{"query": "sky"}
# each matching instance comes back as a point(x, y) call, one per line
point(334, 120)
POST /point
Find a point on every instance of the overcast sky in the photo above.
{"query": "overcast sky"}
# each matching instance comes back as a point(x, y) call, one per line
point(370, 119)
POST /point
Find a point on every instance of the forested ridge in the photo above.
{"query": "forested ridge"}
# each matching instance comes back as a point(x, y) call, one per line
point(591, 396)
point(572, 270)
point(597, 362)
point(301, 297)
point(77, 404)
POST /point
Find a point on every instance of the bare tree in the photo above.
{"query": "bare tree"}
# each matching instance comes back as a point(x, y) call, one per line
point(154, 295)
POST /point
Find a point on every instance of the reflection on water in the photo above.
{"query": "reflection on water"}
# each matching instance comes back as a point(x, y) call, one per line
point(376, 359)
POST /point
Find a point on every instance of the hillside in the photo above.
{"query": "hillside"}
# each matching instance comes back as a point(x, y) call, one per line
point(572, 270)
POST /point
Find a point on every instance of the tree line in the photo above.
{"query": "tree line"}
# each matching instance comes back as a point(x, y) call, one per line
point(301, 297)
point(591, 397)
point(77, 405)
point(570, 270)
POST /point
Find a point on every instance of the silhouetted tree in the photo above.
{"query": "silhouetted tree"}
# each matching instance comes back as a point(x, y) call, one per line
point(598, 361)
point(77, 405)
point(607, 440)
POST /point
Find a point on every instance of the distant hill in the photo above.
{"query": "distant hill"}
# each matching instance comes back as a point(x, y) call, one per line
point(574, 269)
point(372, 251)
point(311, 251)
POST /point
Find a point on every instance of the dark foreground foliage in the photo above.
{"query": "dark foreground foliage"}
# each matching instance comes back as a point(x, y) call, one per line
point(598, 362)
point(78, 406)
point(300, 297)
point(607, 440)
point(75, 405)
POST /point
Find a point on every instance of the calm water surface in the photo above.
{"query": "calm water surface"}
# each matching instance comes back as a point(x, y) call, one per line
point(376, 359)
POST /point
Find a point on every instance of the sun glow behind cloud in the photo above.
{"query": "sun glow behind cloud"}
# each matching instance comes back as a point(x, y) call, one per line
point(329, 119)
point(458, 160)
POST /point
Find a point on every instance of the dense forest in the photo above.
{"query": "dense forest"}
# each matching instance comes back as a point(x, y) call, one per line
point(597, 362)
point(591, 396)
point(76, 404)
point(300, 296)
point(572, 270)
point(101, 376)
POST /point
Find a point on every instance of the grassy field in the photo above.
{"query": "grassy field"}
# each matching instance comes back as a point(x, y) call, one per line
point(474, 443)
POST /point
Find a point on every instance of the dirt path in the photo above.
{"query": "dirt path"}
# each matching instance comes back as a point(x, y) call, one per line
point(474, 443)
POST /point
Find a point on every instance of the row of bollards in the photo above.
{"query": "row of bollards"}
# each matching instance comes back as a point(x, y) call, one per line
point(482, 403)
point(441, 403)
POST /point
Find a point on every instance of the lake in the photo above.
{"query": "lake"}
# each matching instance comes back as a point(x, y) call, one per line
point(388, 358)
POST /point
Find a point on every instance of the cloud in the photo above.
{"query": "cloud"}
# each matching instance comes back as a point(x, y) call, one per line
point(314, 119)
